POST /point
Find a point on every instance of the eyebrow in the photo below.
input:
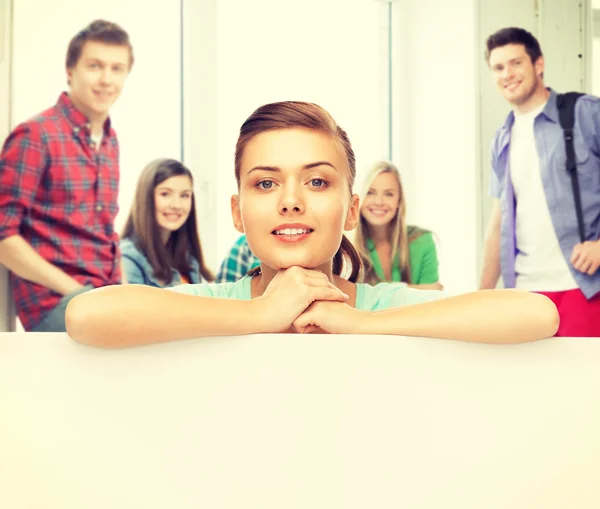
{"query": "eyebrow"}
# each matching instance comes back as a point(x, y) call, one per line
point(304, 168)
point(165, 188)
point(384, 190)
point(510, 61)
point(103, 62)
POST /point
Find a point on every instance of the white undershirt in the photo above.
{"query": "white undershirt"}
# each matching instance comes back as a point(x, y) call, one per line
point(540, 264)
point(97, 139)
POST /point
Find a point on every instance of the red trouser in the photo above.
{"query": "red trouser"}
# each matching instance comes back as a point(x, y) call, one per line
point(579, 317)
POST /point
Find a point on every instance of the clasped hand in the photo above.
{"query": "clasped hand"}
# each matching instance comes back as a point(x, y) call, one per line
point(586, 257)
point(306, 301)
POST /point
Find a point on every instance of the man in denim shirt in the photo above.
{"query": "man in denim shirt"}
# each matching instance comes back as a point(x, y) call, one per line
point(532, 237)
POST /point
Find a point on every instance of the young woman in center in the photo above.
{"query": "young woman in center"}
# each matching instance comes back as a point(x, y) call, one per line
point(390, 249)
point(295, 170)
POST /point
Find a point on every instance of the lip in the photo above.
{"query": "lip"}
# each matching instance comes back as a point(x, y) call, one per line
point(378, 212)
point(102, 94)
point(514, 84)
point(300, 226)
point(295, 238)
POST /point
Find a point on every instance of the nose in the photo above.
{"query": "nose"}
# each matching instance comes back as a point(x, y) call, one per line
point(506, 73)
point(176, 203)
point(291, 199)
point(106, 76)
point(378, 199)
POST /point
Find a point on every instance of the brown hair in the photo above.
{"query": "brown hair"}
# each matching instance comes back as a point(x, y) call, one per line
point(98, 31)
point(401, 234)
point(142, 228)
point(513, 35)
point(294, 114)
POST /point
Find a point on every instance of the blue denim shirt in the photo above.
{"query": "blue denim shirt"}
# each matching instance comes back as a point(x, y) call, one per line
point(138, 270)
point(556, 183)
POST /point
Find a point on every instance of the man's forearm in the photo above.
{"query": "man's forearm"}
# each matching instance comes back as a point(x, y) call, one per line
point(17, 255)
point(491, 264)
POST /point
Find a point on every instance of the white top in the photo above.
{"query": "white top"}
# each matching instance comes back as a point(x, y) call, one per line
point(540, 264)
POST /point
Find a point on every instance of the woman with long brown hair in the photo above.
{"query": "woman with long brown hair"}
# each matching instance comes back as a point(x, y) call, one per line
point(160, 244)
point(391, 250)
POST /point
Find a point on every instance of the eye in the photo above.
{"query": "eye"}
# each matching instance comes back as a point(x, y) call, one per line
point(265, 184)
point(318, 182)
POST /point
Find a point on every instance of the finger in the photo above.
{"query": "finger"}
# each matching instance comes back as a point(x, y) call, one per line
point(299, 328)
point(580, 262)
point(321, 283)
point(301, 323)
point(574, 257)
point(329, 294)
point(592, 270)
point(315, 274)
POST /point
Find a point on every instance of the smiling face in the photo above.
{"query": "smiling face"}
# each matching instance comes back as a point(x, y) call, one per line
point(98, 77)
point(518, 79)
point(294, 201)
point(382, 200)
point(173, 203)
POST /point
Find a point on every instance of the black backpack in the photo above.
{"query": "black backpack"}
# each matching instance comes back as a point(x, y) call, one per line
point(566, 115)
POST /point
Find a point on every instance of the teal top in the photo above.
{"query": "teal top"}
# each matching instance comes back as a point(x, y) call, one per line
point(368, 298)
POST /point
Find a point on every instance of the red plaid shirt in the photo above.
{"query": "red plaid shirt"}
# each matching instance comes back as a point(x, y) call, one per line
point(60, 195)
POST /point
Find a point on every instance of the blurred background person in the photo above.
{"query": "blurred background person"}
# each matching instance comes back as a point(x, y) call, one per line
point(391, 250)
point(160, 243)
point(238, 262)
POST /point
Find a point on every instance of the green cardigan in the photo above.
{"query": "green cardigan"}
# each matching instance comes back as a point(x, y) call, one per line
point(423, 259)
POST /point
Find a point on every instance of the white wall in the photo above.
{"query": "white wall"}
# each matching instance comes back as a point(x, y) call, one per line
point(437, 115)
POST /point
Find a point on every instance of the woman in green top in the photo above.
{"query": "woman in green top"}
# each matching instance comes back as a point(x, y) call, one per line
point(390, 249)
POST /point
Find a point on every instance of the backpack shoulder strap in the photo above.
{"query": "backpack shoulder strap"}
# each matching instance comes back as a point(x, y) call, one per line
point(566, 116)
point(566, 108)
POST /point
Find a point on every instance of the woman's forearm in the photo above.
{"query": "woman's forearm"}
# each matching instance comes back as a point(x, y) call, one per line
point(130, 315)
point(427, 286)
point(489, 316)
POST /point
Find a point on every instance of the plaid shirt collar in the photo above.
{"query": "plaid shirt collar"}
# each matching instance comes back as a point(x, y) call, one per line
point(76, 117)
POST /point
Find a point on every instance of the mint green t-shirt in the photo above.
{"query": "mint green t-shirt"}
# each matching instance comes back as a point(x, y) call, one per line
point(368, 298)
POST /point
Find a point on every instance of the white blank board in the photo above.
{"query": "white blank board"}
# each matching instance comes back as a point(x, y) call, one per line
point(291, 421)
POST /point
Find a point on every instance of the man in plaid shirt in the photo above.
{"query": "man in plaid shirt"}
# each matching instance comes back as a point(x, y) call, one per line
point(59, 179)
point(238, 262)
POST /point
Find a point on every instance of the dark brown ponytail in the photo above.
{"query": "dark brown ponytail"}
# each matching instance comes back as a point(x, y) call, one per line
point(347, 253)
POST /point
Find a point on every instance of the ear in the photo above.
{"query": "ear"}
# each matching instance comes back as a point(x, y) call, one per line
point(236, 214)
point(353, 213)
point(539, 66)
point(69, 75)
